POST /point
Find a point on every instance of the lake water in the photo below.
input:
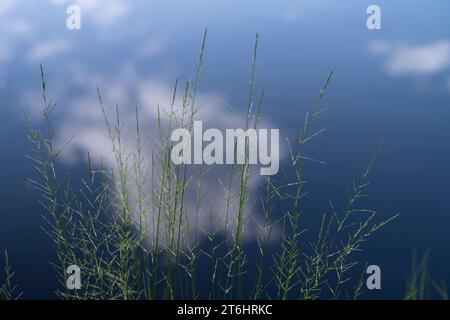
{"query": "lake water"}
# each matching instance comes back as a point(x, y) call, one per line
point(391, 84)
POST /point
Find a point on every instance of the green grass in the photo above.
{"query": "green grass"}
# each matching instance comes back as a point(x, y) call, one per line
point(9, 290)
point(131, 231)
point(420, 285)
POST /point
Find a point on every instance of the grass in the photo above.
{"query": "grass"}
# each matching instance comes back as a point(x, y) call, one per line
point(9, 290)
point(129, 228)
point(420, 285)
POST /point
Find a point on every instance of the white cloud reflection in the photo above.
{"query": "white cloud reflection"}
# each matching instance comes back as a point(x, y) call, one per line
point(83, 124)
point(101, 12)
point(48, 49)
point(6, 6)
point(72, 82)
point(413, 60)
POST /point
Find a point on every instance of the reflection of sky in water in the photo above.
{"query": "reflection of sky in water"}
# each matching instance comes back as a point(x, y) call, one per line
point(392, 84)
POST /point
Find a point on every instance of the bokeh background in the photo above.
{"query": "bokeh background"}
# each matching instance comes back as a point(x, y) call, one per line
point(391, 84)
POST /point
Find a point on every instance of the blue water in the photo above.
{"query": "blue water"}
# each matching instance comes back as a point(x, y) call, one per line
point(391, 84)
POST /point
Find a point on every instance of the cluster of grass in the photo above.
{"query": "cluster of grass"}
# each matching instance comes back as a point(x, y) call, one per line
point(130, 230)
point(420, 285)
point(9, 290)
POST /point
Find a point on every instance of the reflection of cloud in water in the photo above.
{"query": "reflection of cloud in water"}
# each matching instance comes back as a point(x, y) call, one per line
point(72, 83)
point(6, 6)
point(12, 30)
point(83, 122)
point(101, 12)
point(20, 19)
point(413, 60)
point(48, 49)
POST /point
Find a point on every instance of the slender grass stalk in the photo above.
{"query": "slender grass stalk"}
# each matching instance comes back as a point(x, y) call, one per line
point(133, 234)
point(9, 290)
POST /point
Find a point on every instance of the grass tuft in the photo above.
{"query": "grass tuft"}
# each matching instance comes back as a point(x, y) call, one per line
point(134, 236)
